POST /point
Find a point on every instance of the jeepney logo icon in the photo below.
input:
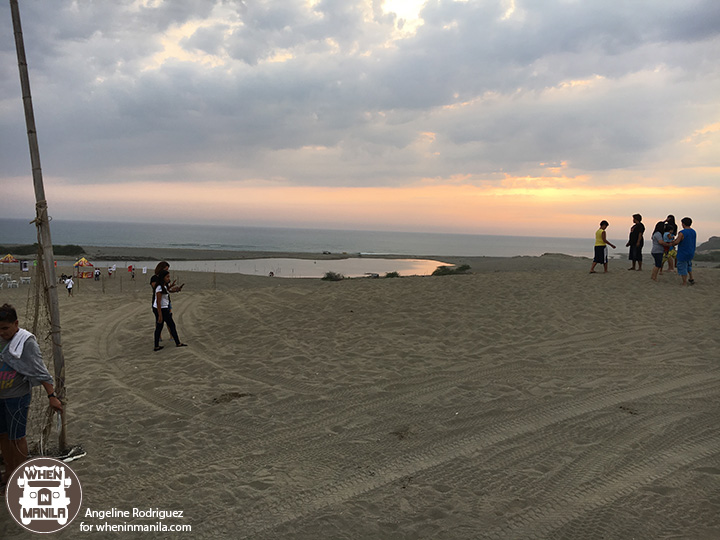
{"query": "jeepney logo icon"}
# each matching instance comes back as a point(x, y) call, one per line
point(44, 495)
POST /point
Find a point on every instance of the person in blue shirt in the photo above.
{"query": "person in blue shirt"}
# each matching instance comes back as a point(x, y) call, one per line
point(685, 242)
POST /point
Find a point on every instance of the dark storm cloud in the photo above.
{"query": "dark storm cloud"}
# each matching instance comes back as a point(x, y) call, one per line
point(488, 86)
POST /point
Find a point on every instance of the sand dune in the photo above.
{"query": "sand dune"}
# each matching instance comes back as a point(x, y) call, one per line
point(527, 400)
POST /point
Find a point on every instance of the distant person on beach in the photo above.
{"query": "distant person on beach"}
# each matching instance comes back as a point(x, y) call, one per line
point(69, 283)
point(97, 274)
point(685, 242)
point(671, 227)
point(636, 241)
point(155, 281)
point(601, 244)
point(658, 248)
point(21, 368)
point(669, 252)
point(162, 307)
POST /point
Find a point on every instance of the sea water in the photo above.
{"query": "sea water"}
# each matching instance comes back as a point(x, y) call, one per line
point(236, 238)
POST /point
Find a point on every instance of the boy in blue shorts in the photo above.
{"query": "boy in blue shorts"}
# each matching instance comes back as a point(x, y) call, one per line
point(685, 242)
point(21, 368)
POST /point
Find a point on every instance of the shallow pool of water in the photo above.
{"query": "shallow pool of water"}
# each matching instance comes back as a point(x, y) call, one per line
point(294, 268)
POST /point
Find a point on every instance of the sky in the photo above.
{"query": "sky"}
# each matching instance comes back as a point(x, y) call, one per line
point(519, 117)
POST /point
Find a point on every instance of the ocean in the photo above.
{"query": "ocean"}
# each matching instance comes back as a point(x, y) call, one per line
point(236, 238)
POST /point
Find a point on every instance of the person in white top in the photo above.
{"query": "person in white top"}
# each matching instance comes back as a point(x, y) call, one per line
point(69, 283)
point(164, 313)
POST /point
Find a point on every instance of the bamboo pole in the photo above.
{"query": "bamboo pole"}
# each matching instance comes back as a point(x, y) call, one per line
point(42, 222)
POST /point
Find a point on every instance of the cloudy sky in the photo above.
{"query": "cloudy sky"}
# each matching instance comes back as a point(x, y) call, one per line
point(530, 117)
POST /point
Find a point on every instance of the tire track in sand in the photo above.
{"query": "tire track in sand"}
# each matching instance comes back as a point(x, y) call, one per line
point(292, 507)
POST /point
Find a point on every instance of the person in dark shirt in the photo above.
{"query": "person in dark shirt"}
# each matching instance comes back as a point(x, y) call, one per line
point(635, 243)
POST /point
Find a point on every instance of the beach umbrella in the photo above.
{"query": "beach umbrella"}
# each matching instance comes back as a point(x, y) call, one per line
point(9, 259)
point(83, 262)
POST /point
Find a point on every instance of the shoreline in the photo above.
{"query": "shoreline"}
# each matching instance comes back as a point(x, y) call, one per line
point(190, 254)
point(102, 253)
point(506, 262)
point(547, 261)
point(478, 264)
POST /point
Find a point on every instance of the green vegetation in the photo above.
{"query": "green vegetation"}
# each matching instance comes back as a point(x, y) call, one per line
point(392, 275)
point(67, 250)
point(332, 276)
point(451, 270)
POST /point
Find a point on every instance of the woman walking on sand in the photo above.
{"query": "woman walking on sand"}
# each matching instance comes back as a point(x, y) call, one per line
point(635, 243)
point(155, 281)
point(161, 306)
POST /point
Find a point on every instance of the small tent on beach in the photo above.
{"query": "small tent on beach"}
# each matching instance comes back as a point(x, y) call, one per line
point(84, 269)
point(8, 259)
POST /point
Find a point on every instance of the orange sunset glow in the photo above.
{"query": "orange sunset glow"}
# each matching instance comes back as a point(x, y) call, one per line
point(559, 206)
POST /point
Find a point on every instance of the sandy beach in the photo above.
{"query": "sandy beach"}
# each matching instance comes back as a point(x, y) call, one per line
point(527, 399)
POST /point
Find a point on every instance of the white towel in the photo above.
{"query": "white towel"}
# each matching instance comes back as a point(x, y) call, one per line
point(17, 343)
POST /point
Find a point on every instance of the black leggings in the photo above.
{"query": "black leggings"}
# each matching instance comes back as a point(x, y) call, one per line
point(167, 318)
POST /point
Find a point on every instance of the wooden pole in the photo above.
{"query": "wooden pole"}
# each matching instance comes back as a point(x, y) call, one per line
point(42, 221)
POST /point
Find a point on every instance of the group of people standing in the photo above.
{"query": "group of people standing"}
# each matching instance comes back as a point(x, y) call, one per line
point(161, 304)
point(669, 245)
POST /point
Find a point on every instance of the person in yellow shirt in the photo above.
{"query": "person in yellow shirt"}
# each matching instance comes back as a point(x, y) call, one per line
point(601, 244)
